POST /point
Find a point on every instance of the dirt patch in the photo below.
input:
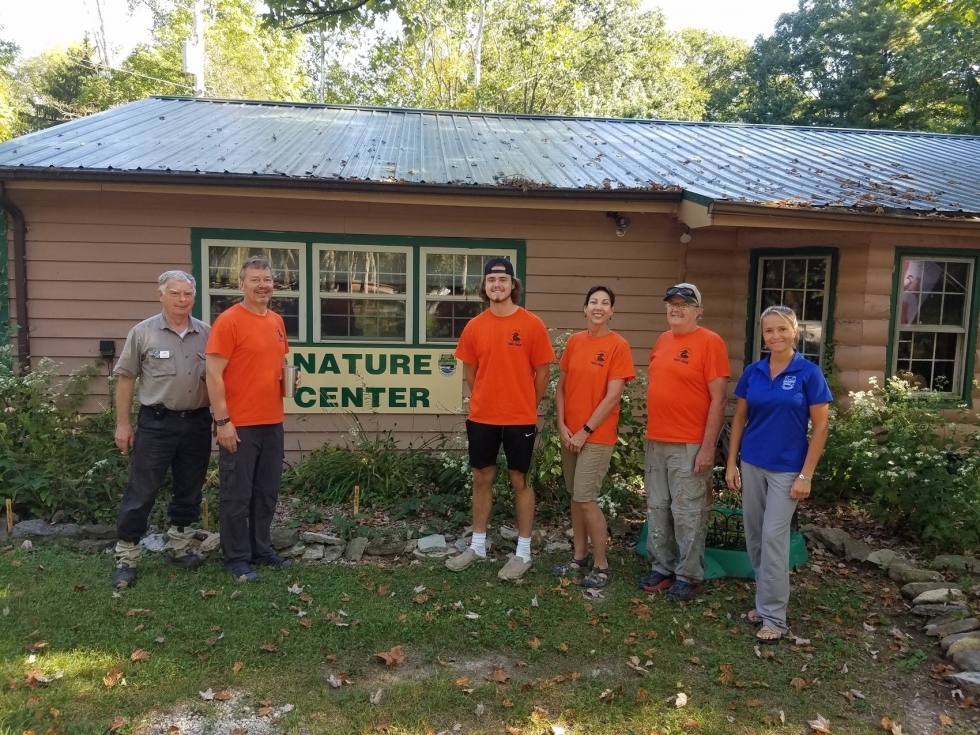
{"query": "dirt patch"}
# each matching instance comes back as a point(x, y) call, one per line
point(231, 717)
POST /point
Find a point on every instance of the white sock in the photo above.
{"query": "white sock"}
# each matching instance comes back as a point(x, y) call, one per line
point(524, 548)
point(479, 543)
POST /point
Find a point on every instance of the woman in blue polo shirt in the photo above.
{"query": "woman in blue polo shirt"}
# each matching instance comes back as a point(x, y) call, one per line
point(778, 397)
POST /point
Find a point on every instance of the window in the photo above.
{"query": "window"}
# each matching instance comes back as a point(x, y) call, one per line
point(224, 261)
point(931, 321)
point(355, 289)
point(802, 282)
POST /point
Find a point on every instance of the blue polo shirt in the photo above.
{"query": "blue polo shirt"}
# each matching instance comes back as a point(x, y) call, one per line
point(779, 412)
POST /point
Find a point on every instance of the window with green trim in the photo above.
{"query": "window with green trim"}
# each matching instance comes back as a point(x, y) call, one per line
point(356, 289)
point(931, 328)
point(803, 283)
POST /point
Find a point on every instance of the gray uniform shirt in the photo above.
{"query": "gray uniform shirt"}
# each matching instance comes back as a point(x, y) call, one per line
point(170, 368)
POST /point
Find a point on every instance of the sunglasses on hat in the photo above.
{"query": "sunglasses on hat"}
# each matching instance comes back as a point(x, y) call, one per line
point(683, 291)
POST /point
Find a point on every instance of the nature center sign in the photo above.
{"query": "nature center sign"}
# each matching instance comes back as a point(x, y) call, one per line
point(376, 380)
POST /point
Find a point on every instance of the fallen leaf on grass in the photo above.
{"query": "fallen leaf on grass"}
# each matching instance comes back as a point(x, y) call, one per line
point(305, 622)
point(820, 725)
point(237, 666)
point(37, 646)
point(138, 628)
point(224, 695)
point(392, 657)
point(207, 695)
point(112, 677)
point(606, 696)
point(205, 594)
point(420, 599)
point(889, 725)
point(681, 700)
point(480, 709)
point(725, 678)
point(263, 711)
point(402, 618)
point(376, 696)
point(967, 703)
point(159, 639)
point(139, 655)
point(235, 594)
point(754, 703)
point(641, 696)
point(295, 589)
point(116, 722)
point(138, 611)
point(507, 703)
point(268, 647)
point(534, 643)
point(499, 676)
point(945, 720)
point(797, 683)
point(339, 680)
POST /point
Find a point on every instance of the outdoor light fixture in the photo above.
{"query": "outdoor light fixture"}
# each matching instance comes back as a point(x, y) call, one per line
point(621, 222)
point(686, 236)
point(107, 348)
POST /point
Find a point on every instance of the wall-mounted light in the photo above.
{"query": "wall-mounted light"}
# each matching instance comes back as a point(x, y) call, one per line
point(621, 223)
point(107, 348)
point(686, 236)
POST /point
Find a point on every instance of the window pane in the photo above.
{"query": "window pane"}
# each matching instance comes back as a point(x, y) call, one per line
point(934, 291)
point(368, 319)
point(357, 271)
point(795, 274)
point(772, 274)
point(794, 299)
point(811, 342)
point(439, 276)
point(224, 264)
point(953, 309)
point(286, 307)
point(946, 345)
point(928, 360)
point(813, 306)
point(957, 275)
point(930, 308)
point(771, 298)
point(445, 319)
point(923, 345)
point(816, 273)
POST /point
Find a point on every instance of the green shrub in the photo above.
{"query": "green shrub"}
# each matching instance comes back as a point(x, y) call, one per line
point(894, 452)
point(51, 457)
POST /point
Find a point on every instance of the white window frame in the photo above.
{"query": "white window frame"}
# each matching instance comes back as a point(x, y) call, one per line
point(207, 291)
point(959, 363)
point(423, 296)
point(762, 259)
point(410, 285)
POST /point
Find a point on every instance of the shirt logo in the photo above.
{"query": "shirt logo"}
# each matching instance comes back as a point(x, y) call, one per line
point(683, 356)
point(515, 339)
point(280, 335)
point(600, 359)
point(788, 382)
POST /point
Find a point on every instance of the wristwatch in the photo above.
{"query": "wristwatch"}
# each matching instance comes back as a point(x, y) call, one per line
point(805, 479)
point(587, 429)
point(222, 422)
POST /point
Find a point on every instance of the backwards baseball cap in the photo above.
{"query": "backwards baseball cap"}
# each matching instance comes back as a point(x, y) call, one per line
point(687, 291)
point(498, 265)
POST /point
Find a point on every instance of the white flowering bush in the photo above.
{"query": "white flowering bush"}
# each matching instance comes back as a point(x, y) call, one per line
point(51, 457)
point(894, 451)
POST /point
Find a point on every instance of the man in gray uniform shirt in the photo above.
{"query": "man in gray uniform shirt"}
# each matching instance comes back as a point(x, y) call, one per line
point(173, 428)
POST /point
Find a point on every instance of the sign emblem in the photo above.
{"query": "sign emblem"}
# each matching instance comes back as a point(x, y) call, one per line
point(447, 364)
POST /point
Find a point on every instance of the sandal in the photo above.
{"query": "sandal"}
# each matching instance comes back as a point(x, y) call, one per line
point(597, 578)
point(768, 635)
point(575, 565)
point(752, 617)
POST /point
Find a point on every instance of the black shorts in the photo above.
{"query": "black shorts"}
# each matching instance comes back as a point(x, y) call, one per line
point(485, 441)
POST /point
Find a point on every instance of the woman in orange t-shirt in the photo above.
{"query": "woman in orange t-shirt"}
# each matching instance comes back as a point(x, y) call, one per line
point(595, 367)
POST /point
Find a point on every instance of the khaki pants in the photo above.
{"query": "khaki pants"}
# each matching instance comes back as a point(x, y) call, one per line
point(584, 471)
point(678, 503)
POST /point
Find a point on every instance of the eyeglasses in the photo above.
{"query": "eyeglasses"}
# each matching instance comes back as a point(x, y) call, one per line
point(683, 306)
point(681, 291)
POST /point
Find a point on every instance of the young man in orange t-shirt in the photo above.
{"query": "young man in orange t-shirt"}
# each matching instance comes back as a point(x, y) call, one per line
point(245, 358)
point(686, 396)
point(506, 354)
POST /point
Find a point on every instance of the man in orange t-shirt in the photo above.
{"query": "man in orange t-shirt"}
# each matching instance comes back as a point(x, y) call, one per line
point(506, 354)
point(245, 358)
point(688, 382)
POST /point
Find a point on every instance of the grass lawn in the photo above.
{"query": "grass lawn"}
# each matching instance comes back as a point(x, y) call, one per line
point(479, 655)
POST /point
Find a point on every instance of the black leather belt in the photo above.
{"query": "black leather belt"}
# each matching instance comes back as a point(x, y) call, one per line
point(161, 411)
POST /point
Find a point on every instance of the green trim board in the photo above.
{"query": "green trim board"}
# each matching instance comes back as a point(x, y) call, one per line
point(756, 255)
point(971, 332)
point(311, 239)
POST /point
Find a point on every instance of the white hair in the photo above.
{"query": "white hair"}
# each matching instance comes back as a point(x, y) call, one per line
point(176, 276)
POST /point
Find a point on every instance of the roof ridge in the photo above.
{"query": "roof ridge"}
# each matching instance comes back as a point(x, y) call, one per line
point(578, 118)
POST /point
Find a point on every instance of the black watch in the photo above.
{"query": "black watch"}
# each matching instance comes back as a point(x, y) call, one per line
point(587, 429)
point(222, 422)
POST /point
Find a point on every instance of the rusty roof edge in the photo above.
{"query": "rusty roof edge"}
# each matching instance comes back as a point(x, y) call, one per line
point(513, 189)
point(959, 220)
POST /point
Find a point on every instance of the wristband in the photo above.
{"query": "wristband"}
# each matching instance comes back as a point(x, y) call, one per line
point(587, 429)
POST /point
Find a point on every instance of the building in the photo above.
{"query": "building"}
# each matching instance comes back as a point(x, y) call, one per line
point(378, 222)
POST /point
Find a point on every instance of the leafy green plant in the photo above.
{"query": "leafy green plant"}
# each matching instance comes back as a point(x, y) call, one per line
point(51, 456)
point(896, 452)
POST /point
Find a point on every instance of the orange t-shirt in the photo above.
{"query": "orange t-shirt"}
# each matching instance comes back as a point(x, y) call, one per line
point(590, 363)
point(677, 395)
point(255, 348)
point(505, 351)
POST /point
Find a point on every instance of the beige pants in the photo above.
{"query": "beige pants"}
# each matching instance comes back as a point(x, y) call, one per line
point(584, 471)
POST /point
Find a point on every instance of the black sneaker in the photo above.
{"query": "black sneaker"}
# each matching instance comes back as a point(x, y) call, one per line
point(123, 576)
point(272, 560)
point(682, 591)
point(187, 561)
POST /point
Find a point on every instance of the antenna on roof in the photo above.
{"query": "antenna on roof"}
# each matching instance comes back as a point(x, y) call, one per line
point(193, 50)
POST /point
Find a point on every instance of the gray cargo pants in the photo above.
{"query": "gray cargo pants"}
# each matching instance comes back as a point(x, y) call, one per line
point(678, 503)
point(767, 512)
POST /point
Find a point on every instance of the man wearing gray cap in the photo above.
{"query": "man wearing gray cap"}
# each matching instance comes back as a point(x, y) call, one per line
point(688, 387)
point(173, 428)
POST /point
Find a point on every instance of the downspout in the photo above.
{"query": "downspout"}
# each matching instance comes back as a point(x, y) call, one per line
point(20, 276)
